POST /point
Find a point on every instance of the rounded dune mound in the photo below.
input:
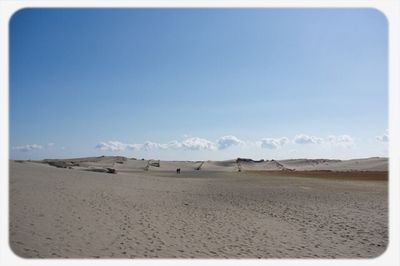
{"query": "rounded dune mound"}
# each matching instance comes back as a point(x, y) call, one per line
point(261, 165)
point(228, 165)
point(308, 164)
point(367, 164)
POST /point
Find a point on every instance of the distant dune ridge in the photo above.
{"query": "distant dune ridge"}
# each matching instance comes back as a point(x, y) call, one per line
point(123, 164)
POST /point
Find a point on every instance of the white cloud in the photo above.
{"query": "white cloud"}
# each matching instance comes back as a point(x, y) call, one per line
point(228, 141)
point(305, 139)
point(190, 144)
point(225, 142)
point(114, 146)
point(341, 140)
point(148, 145)
point(383, 138)
point(273, 143)
point(28, 147)
point(174, 144)
point(134, 146)
point(196, 143)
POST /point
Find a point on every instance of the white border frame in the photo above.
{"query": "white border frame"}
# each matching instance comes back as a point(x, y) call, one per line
point(390, 8)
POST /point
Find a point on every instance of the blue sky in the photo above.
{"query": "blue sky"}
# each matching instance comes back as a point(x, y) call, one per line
point(195, 84)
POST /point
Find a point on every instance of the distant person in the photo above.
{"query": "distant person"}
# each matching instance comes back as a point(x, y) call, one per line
point(178, 170)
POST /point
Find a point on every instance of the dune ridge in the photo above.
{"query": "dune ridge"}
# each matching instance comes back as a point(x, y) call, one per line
point(123, 164)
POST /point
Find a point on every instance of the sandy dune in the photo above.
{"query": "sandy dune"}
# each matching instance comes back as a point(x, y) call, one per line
point(368, 164)
point(133, 165)
point(61, 212)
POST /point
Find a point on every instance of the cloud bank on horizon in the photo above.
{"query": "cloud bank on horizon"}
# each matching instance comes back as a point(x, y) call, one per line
point(224, 144)
point(32, 147)
point(383, 138)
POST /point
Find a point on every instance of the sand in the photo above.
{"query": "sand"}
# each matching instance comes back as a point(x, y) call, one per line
point(214, 212)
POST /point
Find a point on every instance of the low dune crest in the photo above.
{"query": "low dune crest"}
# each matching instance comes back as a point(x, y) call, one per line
point(123, 164)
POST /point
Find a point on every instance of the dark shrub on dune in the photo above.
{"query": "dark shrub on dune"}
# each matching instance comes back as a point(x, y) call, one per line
point(111, 171)
point(59, 164)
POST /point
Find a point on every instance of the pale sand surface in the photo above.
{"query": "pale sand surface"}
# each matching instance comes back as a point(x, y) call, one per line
point(60, 212)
